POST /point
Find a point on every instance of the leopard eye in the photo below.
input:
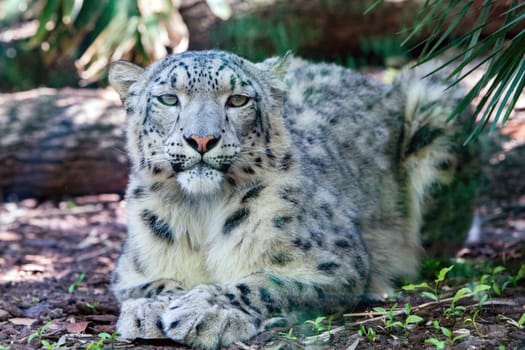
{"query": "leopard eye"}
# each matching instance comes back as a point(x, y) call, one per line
point(237, 101)
point(168, 100)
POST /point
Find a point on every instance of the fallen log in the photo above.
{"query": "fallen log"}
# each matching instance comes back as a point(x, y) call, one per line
point(56, 142)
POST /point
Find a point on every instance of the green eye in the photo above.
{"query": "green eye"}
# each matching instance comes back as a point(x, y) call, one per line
point(237, 101)
point(168, 100)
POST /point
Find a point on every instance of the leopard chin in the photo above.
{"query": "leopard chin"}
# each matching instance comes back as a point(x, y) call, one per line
point(200, 180)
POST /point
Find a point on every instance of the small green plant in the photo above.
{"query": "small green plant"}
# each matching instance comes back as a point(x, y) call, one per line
point(496, 279)
point(499, 279)
point(521, 321)
point(412, 319)
point(457, 310)
point(4, 347)
point(92, 307)
point(518, 324)
point(49, 346)
point(71, 204)
point(39, 334)
point(76, 284)
point(389, 317)
point(367, 332)
point(428, 291)
point(519, 276)
point(288, 335)
point(19, 300)
point(408, 309)
point(472, 319)
point(320, 324)
point(104, 337)
point(451, 339)
point(439, 344)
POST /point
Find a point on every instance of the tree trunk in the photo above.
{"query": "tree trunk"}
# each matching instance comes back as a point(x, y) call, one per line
point(56, 142)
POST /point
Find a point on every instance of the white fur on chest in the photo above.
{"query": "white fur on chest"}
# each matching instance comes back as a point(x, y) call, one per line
point(200, 252)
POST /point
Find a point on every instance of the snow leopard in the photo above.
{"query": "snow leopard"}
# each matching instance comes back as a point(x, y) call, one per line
point(259, 191)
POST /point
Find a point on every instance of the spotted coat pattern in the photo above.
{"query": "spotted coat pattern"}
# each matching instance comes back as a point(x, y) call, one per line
point(260, 191)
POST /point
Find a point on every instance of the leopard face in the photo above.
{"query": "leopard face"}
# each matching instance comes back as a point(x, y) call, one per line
point(198, 119)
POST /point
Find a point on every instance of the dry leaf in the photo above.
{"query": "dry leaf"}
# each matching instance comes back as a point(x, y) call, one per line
point(78, 327)
point(22, 321)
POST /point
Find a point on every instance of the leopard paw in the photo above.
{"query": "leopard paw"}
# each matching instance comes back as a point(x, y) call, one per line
point(141, 318)
point(206, 319)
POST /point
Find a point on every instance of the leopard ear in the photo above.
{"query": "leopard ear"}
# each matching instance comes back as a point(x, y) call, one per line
point(277, 66)
point(121, 75)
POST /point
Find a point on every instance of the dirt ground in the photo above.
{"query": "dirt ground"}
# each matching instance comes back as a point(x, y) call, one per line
point(56, 259)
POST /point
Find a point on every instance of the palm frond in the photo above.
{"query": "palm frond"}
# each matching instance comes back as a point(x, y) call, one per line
point(104, 30)
point(498, 90)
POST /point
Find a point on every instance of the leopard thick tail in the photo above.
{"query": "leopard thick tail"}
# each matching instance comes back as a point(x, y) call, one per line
point(431, 150)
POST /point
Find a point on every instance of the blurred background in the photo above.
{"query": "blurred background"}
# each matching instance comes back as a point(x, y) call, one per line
point(54, 56)
point(60, 43)
point(62, 129)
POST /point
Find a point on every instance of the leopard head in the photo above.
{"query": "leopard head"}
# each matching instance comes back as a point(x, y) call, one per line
point(204, 120)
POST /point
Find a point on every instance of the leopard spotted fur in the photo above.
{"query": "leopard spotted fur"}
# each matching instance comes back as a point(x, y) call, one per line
point(259, 191)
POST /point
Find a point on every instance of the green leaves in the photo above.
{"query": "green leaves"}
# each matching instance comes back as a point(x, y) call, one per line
point(497, 92)
point(71, 10)
point(368, 332)
point(76, 284)
point(39, 334)
point(428, 291)
point(100, 344)
point(320, 324)
point(102, 31)
point(44, 20)
point(412, 287)
point(521, 321)
point(443, 273)
point(288, 335)
point(451, 339)
point(430, 295)
point(460, 293)
point(411, 319)
point(457, 304)
point(389, 315)
point(439, 344)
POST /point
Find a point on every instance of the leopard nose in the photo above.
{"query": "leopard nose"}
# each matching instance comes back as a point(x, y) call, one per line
point(202, 144)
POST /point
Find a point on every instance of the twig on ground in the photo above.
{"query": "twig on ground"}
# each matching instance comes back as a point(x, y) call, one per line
point(322, 337)
point(91, 209)
point(400, 311)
